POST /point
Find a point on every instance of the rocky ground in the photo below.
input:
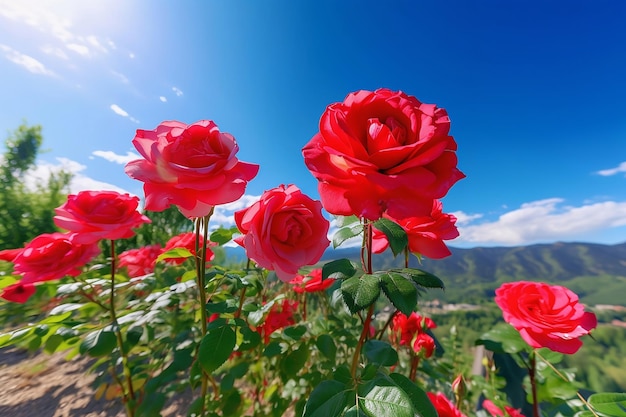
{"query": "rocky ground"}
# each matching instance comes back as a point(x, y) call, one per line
point(49, 386)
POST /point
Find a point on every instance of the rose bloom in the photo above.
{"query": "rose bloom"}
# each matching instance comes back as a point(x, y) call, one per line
point(191, 166)
point(96, 215)
point(425, 233)
point(139, 262)
point(444, 406)
point(52, 256)
point(279, 316)
point(283, 231)
point(545, 315)
point(424, 344)
point(18, 292)
point(311, 282)
point(382, 151)
point(495, 411)
point(187, 241)
point(405, 328)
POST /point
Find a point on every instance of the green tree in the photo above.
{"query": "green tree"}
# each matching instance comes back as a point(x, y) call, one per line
point(26, 212)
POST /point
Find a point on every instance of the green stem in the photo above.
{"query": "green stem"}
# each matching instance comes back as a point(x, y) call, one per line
point(415, 361)
point(366, 261)
point(129, 396)
point(532, 371)
point(564, 378)
point(202, 225)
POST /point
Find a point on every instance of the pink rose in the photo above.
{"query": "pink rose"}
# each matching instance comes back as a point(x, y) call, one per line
point(18, 292)
point(311, 282)
point(283, 231)
point(96, 215)
point(191, 166)
point(382, 151)
point(140, 261)
point(545, 315)
point(444, 406)
point(425, 233)
point(52, 256)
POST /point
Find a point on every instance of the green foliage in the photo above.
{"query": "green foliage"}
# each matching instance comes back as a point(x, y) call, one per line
point(27, 212)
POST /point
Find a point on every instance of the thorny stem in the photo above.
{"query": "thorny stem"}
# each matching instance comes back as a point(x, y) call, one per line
point(130, 411)
point(560, 375)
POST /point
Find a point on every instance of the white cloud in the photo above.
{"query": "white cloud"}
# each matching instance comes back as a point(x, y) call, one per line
point(464, 218)
point(118, 159)
point(163, 99)
point(80, 182)
point(612, 171)
point(224, 214)
point(56, 21)
point(54, 51)
point(78, 48)
point(544, 221)
point(123, 79)
point(177, 91)
point(25, 61)
point(131, 55)
point(121, 112)
point(118, 110)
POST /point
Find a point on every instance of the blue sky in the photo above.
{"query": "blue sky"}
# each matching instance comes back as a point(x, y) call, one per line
point(535, 92)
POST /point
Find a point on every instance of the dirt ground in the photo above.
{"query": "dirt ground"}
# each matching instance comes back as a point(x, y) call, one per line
point(49, 386)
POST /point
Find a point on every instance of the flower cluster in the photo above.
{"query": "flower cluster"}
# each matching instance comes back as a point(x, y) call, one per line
point(411, 331)
point(280, 316)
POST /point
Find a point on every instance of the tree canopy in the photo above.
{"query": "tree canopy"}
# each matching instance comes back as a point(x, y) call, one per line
point(26, 210)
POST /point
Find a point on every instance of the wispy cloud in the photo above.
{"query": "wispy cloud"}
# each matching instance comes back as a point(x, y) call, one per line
point(121, 77)
point(121, 112)
point(25, 61)
point(118, 159)
point(612, 171)
point(52, 22)
point(544, 221)
point(224, 214)
point(177, 91)
point(163, 99)
point(80, 182)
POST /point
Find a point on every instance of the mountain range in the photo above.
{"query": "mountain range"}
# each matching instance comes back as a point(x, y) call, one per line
point(596, 272)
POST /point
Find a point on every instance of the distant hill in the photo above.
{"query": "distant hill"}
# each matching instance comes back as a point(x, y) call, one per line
point(596, 272)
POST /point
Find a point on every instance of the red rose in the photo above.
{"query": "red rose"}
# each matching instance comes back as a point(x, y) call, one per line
point(140, 261)
point(425, 233)
point(191, 166)
point(279, 316)
point(545, 315)
point(52, 256)
point(187, 241)
point(382, 151)
point(96, 215)
point(495, 411)
point(444, 406)
point(404, 328)
point(424, 344)
point(18, 292)
point(312, 282)
point(283, 231)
